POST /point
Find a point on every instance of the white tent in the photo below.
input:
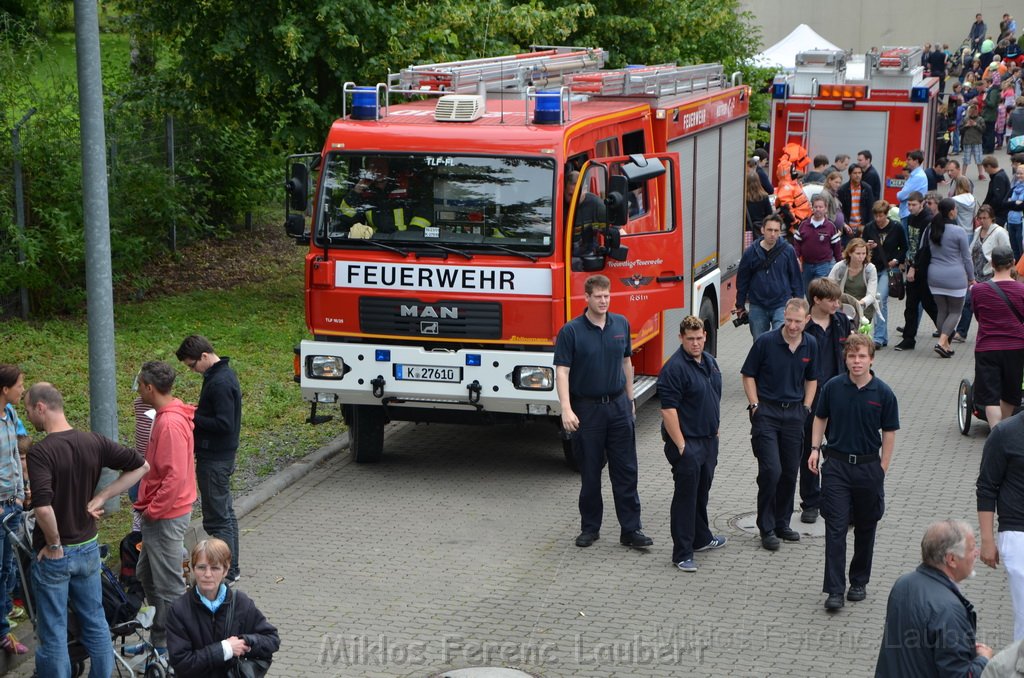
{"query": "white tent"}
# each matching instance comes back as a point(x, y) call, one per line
point(783, 53)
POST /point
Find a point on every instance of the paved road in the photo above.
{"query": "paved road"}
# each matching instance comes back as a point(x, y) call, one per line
point(457, 551)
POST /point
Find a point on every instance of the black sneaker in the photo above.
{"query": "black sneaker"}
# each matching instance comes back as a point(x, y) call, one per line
point(635, 539)
point(770, 542)
point(587, 539)
point(809, 516)
point(899, 330)
point(834, 602)
point(935, 334)
point(905, 345)
point(787, 534)
point(856, 593)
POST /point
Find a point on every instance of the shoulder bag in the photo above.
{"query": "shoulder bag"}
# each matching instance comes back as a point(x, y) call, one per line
point(1002, 294)
point(897, 287)
point(244, 667)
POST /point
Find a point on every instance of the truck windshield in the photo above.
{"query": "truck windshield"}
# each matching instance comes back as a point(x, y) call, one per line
point(460, 201)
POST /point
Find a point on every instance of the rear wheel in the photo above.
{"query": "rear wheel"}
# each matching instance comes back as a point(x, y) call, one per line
point(708, 317)
point(366, 433)
point(964, 406)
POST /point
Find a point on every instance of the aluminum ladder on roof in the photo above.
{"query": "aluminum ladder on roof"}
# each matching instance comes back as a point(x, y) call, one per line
point(543, 67)
point(651, 81)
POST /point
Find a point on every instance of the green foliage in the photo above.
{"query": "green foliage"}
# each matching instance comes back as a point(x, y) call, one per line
point(283, 66)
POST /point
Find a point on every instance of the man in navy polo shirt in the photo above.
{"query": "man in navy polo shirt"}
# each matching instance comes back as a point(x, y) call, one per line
point(860, 416)
point(779, 379)
point(690, 388)
point(594, 379)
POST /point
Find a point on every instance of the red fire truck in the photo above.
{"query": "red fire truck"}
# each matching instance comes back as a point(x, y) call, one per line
point(450, 236)
point(890, 111)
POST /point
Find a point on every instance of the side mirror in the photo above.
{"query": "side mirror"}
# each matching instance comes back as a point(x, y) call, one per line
point(618, 208)
point(641, 169)
point(297, 187)
point(295, 227)
point(613, 244)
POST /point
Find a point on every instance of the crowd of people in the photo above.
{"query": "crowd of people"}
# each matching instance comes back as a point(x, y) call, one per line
point(201, 630)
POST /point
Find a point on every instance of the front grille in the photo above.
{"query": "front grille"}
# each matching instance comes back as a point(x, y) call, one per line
point(415, 318)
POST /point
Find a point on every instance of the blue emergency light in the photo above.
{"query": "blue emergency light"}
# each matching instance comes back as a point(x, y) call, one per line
point(549, 107)
point(382, 355)
point(364, 103)
point(780, 90)
point(473, 359)
point(919, 94)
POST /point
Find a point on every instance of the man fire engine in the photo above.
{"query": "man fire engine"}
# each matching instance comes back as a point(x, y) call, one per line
point(890, 111)
point(441, 233)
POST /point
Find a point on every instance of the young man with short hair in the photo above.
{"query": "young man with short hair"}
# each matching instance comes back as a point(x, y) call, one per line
point(918, 258)
point(817, 242)
point(916, 182)
point(871, 177)
point(768, 275)
point(859, 416)
point(218, 421)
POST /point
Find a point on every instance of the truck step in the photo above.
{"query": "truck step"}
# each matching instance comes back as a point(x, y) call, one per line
point(644, 388)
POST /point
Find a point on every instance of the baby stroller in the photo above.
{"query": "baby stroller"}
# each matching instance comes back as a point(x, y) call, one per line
point(853, 310)
point(121, 610)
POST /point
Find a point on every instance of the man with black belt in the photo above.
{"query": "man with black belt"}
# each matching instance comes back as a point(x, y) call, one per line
point(594, 379)
point(690, 389)
point(779, 379)
point(830, 327)
point(859, 413)
point(919, 256)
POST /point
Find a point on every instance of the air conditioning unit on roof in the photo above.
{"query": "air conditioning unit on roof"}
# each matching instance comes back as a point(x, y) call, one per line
point(459, 108)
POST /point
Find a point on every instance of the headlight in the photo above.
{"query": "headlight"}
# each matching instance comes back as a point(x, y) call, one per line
point(325, 367)
point(533, 378)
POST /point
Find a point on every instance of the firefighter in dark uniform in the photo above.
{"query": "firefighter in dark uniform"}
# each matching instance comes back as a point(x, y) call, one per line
point(690, 389)
point(858, 416)
point(779, 379)
point(381, 199)
point(830, 327)
point(594, 380)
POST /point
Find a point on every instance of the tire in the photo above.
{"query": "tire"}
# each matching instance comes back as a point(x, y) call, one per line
point(964, 406)
point(710, 320)
point(154, 671)
point(366, 433)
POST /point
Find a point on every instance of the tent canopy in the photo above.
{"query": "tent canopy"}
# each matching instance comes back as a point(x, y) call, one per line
point(783, 53)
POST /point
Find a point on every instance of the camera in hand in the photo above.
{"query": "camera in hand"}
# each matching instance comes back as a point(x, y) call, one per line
point(740, 318)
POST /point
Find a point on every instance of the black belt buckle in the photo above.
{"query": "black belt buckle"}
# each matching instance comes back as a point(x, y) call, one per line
point(785, 406)
point(605, 399)
point(852, 458)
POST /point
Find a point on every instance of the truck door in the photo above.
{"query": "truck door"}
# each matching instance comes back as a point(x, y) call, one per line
point(650, 277)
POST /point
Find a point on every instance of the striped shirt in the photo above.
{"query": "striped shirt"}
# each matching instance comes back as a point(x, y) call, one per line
point(854, 217)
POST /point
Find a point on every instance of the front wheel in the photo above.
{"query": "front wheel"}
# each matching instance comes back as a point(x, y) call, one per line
point(366, 433)
point(964, 406)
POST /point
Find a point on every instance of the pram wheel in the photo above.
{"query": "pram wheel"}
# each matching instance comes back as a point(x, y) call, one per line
point(964, 406)
point(154, 671)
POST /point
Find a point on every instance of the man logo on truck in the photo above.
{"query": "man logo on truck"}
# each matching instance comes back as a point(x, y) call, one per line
point(429, 312)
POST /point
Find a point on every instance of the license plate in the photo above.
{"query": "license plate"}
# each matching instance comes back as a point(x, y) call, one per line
point(428, 373)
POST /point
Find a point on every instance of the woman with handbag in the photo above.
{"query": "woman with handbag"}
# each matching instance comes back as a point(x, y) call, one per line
point(216, 631)
point(950, 272)
point(758, 205)
point(887, 247)
point(857, 276)
point(988, 237)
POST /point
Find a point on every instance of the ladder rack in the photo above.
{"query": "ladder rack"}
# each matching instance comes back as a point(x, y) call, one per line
point(651, 81)
point(543, 67)
point(896, 58)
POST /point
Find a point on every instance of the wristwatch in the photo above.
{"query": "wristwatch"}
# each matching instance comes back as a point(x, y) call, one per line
point(816, 448)
point(751, 407)
point(54, 547)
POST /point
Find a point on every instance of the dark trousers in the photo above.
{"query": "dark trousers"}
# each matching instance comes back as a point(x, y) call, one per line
point(810, 483)
point(917, 293)
point(213, 477)
point(850, 493)
point(607, 435)
point(776, 434)
point(693, 473)
point(988, 138)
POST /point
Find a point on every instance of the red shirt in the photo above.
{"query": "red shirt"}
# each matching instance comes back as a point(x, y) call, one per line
point(998, 327)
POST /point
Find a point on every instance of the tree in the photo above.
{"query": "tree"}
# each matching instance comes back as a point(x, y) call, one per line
point(282, 65)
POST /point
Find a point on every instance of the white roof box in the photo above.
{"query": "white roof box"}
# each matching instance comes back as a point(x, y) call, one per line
point(459, 108)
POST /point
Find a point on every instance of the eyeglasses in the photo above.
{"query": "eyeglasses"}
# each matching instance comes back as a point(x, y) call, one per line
point(191, 364)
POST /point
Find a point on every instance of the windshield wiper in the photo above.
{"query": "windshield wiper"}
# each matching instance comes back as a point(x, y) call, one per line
point(506, 249)
point(466, 255)
point(381, 245)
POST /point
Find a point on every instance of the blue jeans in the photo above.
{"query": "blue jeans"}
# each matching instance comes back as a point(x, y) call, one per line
point(213, 477)
point(881, 319)
point(819, 270)
point(73, 579)
point(764, 319)
point(1015, 232)
point(8, 566)
point(964, 326)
